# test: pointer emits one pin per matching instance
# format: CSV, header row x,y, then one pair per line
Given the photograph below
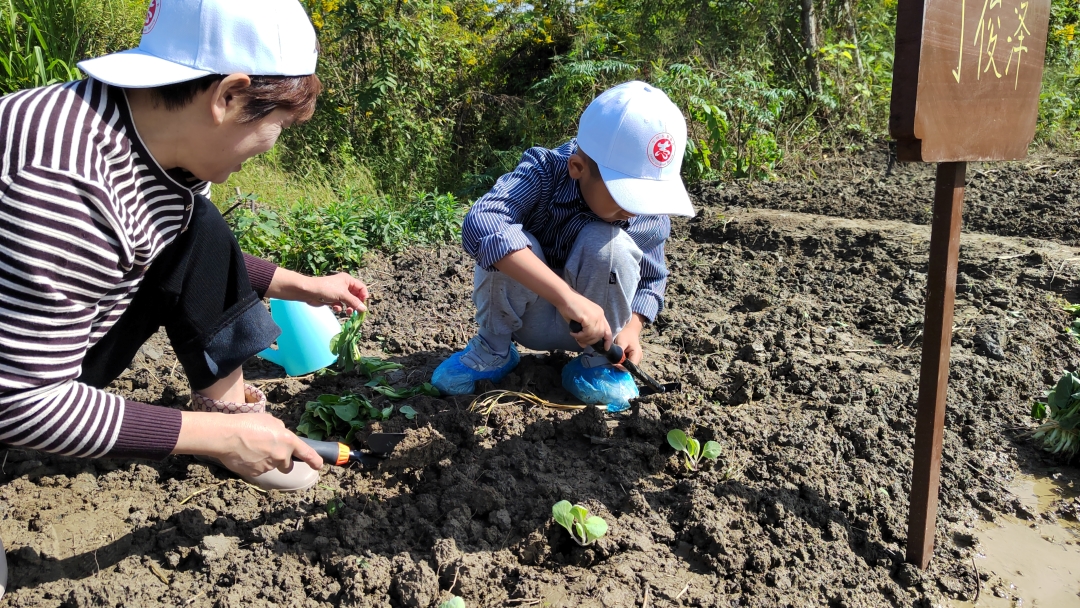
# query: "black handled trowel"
x,y
379,447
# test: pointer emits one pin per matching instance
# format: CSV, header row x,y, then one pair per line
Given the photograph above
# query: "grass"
x,y
276,186
315,225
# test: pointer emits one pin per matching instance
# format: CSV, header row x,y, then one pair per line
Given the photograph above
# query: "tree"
x,y
810,45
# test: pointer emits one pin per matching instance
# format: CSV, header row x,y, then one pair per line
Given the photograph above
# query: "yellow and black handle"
x,y
331,452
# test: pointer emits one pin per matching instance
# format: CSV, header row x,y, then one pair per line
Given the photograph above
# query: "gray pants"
x,y
604,265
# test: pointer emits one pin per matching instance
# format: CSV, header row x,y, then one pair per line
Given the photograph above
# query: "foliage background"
x,y
442,96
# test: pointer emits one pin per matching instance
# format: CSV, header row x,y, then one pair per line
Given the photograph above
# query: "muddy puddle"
x,y
1030,563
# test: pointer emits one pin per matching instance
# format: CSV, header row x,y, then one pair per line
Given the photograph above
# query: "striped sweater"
x,y
84,209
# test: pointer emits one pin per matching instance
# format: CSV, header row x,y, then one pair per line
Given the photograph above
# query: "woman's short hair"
x,y
294,94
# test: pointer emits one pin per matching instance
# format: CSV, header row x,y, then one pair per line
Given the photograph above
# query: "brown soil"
x,y
797,339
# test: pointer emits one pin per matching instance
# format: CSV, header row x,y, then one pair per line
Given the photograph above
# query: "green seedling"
x,y
454,602
346,345
335,504
692,449
1059,432
373,366
1073,329
381,386
408,412
340,415
585,529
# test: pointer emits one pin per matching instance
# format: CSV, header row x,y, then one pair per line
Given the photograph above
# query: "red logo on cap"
x,y
661,150
151,16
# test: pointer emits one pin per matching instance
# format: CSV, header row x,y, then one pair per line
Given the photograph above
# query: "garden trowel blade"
x,y
670,387
383,443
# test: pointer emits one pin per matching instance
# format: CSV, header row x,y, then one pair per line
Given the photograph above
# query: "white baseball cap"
x,y
187,39
637,137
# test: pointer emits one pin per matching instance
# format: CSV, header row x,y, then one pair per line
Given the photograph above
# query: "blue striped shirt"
x,y
540,197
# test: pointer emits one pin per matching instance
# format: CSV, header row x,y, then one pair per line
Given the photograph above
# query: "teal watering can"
x,y
304,343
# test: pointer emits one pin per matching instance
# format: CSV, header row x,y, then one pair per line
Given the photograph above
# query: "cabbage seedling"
x,y
346,345
583,528
1059,432
692,449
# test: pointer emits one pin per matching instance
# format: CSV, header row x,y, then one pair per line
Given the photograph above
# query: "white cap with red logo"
x,y
637,137
187,39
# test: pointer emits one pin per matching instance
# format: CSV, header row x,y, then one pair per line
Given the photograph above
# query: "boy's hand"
x,y
630,339
594,325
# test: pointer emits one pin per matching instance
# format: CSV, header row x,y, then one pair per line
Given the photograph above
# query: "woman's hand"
x,y
341,291
249,444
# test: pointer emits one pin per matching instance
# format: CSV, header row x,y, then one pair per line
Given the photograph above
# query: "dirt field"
x,y
794,322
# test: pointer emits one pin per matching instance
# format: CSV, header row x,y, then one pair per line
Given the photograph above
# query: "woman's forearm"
x,y
289,285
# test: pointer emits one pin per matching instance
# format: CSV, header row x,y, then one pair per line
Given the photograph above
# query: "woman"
x,y
106,235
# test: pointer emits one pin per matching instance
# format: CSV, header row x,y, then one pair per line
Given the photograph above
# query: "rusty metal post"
x,y
934,377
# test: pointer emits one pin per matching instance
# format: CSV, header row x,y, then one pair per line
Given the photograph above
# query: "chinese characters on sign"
x,y
986,39
967,76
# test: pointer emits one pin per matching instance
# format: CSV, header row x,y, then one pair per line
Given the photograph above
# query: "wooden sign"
x,y
966,80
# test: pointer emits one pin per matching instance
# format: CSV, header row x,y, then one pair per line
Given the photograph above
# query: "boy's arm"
x,y
493,227
651,236
649,297
524,267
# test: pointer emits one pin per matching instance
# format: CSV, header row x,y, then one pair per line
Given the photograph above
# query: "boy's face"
x,y
594,191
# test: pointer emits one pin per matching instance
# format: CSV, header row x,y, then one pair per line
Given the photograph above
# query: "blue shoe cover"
x,y
453,377
601,385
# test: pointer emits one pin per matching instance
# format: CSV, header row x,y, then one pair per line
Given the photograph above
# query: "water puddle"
x,y
1030,564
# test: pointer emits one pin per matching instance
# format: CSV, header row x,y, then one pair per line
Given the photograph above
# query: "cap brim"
x,y
647,196
136,69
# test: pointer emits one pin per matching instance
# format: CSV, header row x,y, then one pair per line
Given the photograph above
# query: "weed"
x,y
1059,432
585,529
334,236
454,602
692,450
38,43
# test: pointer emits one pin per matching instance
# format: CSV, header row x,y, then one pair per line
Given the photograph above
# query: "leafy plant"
x,y
340,415
583,528
454,602
346,345
372,366
692,450
38,43
1059,433
1073,329
381,386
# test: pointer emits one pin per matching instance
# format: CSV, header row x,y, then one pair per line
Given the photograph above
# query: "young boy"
x,y
577,234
